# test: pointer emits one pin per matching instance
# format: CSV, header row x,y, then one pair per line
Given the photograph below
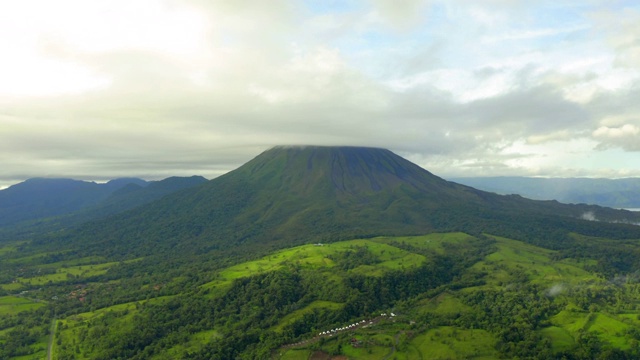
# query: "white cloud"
x,y
172,87
49,52
531,34
619,132
626,136
464,85
622,30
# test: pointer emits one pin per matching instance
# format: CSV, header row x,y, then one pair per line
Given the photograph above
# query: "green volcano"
x,y
301,194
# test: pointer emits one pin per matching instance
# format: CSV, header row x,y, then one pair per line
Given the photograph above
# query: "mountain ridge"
x,y
40,204
43,197
616,193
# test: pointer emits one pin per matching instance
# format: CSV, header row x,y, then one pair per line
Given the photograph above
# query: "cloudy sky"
x,y
153,88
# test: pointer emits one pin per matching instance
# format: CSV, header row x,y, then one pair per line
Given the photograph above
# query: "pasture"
x,y
10,305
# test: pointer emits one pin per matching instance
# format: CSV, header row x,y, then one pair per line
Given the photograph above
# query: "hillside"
x,y
616,193
260,262
40,197
133,195
43,207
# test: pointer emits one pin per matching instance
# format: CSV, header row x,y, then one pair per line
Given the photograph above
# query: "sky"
x,y
101,89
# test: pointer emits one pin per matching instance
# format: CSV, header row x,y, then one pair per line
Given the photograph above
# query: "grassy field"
x,y
294,354
630,318
13,304
571,321
445,303
451,343
317,256
532,261
64,271
560,338
369,350
12,287
195,342
610,329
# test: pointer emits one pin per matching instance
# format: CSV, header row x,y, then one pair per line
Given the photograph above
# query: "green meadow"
x,y
293,354
13,304
560,338
66,273
445,303
518,261
317,257
63,271
451,343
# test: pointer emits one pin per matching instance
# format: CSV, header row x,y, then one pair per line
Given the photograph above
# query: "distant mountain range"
x,y
616,193
77,200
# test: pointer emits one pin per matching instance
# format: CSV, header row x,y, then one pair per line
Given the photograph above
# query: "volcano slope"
x,y
217,271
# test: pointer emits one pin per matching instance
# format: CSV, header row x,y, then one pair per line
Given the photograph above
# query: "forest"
x,y
447,289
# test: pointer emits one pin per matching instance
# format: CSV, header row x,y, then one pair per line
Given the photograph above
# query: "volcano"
x,y
292,195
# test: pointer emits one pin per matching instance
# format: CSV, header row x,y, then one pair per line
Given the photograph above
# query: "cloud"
x,y
534,34
626,136
561,135
159,88
531,111
615,133
556,290
622,30
400,14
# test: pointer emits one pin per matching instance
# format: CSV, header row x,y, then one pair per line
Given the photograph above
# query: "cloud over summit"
x,y
156,88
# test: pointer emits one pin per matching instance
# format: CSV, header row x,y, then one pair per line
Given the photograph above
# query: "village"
x,y
362,324
355,325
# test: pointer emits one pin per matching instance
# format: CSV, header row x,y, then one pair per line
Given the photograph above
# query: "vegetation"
x,y
40,205
452,295
322,252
